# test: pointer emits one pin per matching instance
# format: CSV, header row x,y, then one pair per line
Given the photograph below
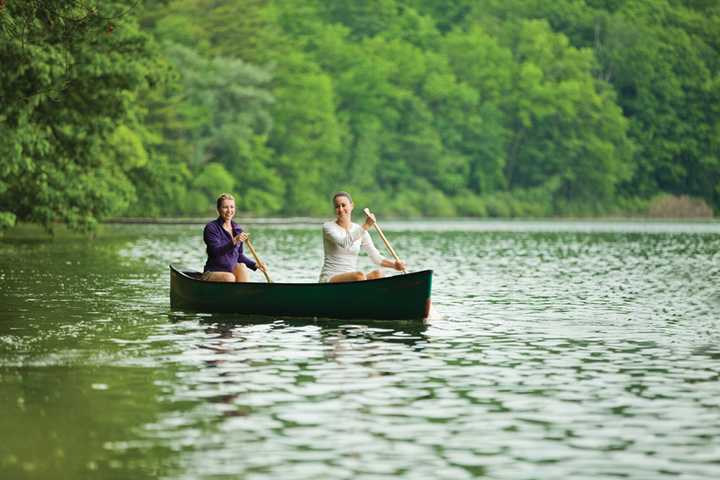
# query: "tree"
x,y
70,74
566,126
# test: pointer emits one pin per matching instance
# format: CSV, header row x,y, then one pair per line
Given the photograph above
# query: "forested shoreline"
x,y
483,108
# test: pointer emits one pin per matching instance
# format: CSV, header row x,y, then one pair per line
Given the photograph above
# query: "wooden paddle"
x,y
257,259
384,239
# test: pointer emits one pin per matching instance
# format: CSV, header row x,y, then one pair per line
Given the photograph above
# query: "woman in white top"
x,y
342,240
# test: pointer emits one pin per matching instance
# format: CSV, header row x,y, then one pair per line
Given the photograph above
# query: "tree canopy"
x,y
419,107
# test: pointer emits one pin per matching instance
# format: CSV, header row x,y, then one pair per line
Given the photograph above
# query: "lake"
x,y
573,349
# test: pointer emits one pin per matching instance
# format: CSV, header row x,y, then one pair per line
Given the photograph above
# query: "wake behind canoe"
x,y
400,297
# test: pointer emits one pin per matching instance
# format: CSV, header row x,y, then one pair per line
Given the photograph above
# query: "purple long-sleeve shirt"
x,y
222,253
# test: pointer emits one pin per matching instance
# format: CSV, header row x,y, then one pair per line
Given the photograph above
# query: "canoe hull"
x,y
401,297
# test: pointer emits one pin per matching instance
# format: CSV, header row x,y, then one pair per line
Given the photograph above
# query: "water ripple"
x,y
571,350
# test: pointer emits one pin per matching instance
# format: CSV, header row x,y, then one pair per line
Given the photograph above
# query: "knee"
x,y
242,274
375,274
358,276
227,277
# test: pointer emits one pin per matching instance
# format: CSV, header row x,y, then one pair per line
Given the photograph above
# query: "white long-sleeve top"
x,y
342,248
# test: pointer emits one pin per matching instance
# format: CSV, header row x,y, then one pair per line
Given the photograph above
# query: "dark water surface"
x,y
558,350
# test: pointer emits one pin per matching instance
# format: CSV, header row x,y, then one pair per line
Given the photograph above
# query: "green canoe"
x,y
400,297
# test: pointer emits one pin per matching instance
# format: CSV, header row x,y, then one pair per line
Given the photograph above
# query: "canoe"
x,y
400,297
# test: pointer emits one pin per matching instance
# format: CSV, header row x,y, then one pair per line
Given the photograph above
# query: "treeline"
x,y
418,107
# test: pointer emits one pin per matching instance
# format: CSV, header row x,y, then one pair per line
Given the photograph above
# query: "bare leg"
x,y
242,274
348,277
218,277
375,274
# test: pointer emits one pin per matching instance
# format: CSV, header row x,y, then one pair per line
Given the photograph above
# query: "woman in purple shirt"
x,y
224,239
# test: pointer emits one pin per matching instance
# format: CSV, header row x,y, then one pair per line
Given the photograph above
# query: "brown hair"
x,y
224,196
342,194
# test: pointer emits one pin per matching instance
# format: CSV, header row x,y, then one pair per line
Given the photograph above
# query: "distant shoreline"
x,y
312,220
112,227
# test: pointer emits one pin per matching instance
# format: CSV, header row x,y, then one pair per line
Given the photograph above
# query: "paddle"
x,y
257,259
382,235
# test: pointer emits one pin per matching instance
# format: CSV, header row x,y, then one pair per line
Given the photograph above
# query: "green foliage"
x,y
468,204
418,107
566,124
306,137
7,220
213,178
211,114
67,86
534,202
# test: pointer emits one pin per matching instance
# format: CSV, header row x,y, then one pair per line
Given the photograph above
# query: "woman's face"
x,y
227,209
343,207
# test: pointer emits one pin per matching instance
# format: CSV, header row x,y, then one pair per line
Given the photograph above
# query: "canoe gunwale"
x,y
181,272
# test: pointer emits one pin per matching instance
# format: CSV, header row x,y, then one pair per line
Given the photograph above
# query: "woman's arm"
x,y
398,265
247,261
378,259
368,245
238,239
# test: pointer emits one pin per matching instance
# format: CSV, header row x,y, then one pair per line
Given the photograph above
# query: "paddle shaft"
x,y
257,259
384,239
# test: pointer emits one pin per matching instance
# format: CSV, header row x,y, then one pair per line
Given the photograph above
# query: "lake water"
x,y
557,350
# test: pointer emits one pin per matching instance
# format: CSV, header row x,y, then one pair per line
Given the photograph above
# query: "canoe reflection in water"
x,y
234,352
401,297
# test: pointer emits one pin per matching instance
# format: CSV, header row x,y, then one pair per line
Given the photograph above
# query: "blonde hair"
x,y
224,196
